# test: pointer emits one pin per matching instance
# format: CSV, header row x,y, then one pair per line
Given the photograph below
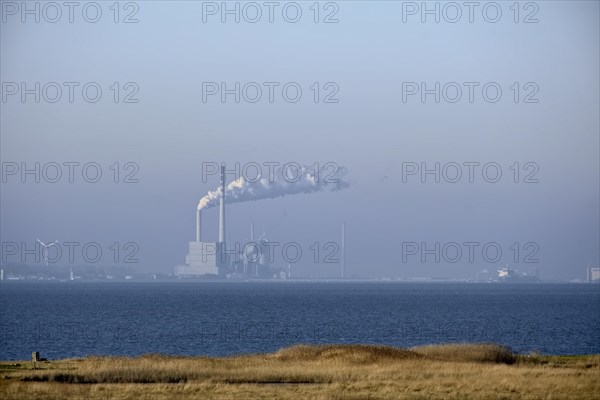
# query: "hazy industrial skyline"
x,y
380,129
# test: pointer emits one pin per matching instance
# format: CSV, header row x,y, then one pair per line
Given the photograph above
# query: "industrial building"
x,y
593,274
207,258
251,260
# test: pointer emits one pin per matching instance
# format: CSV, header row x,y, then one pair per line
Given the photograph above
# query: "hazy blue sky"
x,y
369,53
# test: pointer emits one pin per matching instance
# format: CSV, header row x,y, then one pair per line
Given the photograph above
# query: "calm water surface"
x,y
74,319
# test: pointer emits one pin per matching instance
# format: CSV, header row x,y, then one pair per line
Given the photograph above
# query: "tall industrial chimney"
x,y
198,225
222,207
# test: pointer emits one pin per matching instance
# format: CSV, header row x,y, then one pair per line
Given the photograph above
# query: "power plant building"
x,y
593,274
207,258
253,260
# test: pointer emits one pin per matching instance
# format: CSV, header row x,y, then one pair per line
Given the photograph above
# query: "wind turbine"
x,y
45,250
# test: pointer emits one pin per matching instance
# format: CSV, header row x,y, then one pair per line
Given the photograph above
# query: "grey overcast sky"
x,y
372,60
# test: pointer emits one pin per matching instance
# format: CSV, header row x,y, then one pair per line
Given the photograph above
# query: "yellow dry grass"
x,y
313,372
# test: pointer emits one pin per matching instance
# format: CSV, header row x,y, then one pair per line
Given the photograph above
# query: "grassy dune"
x,y
313,372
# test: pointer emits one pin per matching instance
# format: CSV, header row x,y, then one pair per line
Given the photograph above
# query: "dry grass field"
x,y
333,372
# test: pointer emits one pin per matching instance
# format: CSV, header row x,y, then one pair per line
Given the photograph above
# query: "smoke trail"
x,y
282,183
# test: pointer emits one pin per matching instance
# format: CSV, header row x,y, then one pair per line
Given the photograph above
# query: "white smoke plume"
x,y
282,183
